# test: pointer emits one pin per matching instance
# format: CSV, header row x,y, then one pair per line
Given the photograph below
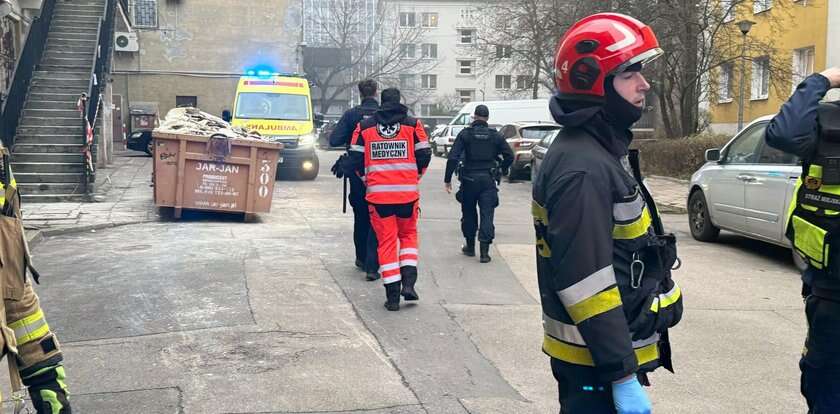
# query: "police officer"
x,y
811,130
480,148
391,151
363,238
35,358
603,260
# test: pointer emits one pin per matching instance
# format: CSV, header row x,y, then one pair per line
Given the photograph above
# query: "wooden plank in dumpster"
x,y
187,176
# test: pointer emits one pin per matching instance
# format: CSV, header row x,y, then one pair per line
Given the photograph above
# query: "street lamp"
x,y
744,26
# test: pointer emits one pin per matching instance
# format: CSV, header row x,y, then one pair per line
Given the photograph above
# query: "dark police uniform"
x,y
364,238
478,147
812,131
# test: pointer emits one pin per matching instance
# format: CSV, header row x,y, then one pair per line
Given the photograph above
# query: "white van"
x,y
507,112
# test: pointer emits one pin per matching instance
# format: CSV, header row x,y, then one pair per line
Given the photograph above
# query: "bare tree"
x,y
373,41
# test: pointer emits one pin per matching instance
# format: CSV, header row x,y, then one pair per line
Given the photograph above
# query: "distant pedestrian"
x,y
363,238
391,151
485,153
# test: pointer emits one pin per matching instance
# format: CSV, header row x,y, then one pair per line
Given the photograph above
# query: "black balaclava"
x,y
619,113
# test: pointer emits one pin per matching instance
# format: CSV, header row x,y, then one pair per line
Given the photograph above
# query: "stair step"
x,y
28,121
47,157
68,104
81,36
51,113
73,17
48,167
68,60
63,74
57,41
54,139
65,54
54,48
27,178
53,97
54,198
54,189
69,28
50,134
47,148
62,82
46,88
89,11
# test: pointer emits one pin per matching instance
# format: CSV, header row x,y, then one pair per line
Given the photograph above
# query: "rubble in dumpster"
x,y
192,121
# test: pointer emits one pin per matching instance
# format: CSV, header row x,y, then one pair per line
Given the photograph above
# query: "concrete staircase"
x,y
47,158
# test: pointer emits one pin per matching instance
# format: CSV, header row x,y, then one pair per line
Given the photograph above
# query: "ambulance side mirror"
x,y
713,154
318,120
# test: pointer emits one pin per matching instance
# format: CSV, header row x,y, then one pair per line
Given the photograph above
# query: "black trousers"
x,y
580,391
478,190
364,238
820,364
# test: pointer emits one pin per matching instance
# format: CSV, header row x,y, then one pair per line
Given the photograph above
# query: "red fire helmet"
x,y
597,46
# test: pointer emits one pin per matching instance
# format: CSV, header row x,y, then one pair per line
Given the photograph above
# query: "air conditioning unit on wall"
x,y
126,42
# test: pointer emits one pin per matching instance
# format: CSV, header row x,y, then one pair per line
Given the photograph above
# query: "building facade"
x,y
15,19
803,48
192,53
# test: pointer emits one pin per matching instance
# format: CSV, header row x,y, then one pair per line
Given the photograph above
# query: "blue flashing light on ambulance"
x,y
279,107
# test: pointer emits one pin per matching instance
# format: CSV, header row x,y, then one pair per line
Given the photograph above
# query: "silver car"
x,y
746,188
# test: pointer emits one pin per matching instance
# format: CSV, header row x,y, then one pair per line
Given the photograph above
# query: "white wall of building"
x,y
452,16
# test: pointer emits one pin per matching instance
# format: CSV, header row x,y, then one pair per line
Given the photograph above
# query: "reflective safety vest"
x,y
814,212
391,172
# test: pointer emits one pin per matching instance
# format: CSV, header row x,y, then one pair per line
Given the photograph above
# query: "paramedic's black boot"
x,y
392,293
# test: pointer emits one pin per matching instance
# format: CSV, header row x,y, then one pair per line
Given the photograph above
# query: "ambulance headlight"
x,y
306,140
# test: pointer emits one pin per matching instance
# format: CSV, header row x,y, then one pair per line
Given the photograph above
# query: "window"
x,y
427,109
429,81
761,78
467,14
726,9
466,36
762,5
429,51
145,13
430,20
743,150
503,51
407,50
523,82
508,131
466,67
725,83
407,19
803,65
408,81
770,155
502,81
466,95
186,101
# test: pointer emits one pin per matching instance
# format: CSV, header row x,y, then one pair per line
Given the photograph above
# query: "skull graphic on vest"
x,y
388,131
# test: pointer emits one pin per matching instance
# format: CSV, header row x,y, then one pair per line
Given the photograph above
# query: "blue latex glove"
x,y
630,398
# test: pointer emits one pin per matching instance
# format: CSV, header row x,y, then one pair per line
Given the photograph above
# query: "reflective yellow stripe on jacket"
x,y
564,342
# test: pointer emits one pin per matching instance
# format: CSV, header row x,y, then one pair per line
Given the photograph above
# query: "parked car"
x,y
746,188
140,141
442,142
522,137
539,151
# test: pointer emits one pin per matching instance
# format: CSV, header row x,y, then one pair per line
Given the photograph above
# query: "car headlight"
x,y
306,140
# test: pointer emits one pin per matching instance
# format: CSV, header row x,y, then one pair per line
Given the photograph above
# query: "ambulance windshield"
x,y
278,106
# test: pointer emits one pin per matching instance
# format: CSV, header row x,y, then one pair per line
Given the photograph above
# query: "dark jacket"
x,y
343,131
592,224
460,153
795,130
388,114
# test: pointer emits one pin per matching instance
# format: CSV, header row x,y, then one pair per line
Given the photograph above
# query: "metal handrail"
x,y
89,104
11,108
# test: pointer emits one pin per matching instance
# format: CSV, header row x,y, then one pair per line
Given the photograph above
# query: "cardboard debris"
x,y
192,121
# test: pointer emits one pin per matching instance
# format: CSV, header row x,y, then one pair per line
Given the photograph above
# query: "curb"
x,y
40,235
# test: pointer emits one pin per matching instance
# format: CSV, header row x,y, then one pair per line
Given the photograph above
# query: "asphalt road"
x,y
212,315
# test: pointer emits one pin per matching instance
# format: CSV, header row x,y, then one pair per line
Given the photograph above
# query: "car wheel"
x,y
699,220
798,260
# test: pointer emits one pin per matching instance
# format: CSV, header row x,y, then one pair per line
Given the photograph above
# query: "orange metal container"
x,y
189,173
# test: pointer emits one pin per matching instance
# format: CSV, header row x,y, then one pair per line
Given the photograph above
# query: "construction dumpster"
x,y
214,173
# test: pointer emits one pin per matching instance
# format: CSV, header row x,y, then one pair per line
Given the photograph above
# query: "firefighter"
x,y
33,352
391,152
811,130
480,147
603,260
363,238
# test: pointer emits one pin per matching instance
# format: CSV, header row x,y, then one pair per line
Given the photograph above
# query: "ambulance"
x,y
279,107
